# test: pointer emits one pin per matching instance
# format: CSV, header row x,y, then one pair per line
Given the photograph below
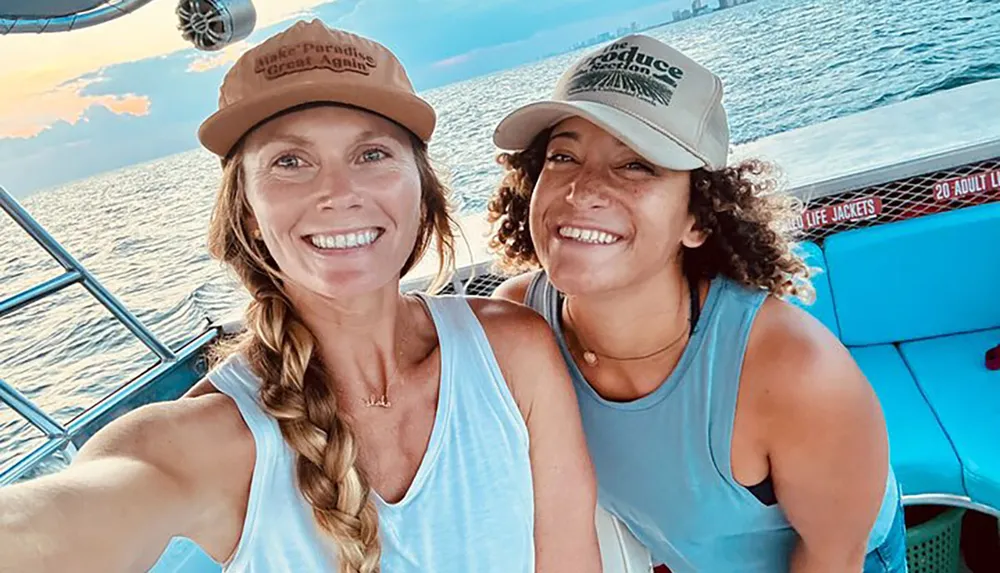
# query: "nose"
x,y
588,190
337,190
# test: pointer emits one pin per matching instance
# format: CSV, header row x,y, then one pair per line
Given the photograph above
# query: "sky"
x,y
80,103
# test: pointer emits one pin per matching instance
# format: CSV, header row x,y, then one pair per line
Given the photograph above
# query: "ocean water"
x,y
141,230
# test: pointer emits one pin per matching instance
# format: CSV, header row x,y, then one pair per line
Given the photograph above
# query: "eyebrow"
x,y
567,134
299,141
286,137
572,135
371,134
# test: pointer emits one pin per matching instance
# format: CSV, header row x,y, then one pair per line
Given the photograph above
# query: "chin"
x,y
582,277
352,283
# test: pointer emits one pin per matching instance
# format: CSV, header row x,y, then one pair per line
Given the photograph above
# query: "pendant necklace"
x,y
373,401
592,357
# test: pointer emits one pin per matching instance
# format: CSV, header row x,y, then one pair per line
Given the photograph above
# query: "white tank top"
x,y
470,507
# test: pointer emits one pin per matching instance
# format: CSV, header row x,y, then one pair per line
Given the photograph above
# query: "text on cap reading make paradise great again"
x,y
310,55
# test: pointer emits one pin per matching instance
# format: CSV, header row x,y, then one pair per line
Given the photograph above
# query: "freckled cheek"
x,y
277,212
398,192
548,190
551,183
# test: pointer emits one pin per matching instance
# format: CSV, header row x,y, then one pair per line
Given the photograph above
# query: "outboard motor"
x,y
214,24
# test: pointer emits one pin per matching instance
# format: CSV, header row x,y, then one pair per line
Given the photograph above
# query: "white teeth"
x,y
588,235
345,241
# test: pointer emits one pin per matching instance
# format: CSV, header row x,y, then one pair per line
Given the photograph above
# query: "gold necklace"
x,y
382,401
591,356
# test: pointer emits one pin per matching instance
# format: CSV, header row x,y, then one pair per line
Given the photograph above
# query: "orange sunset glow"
x,y
44,76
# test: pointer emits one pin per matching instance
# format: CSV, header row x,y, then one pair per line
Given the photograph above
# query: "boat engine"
x,y
214,24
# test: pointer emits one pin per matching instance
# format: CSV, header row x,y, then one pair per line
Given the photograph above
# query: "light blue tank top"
x,y
470,508
663,461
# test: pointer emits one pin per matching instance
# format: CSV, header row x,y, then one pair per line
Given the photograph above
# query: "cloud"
x,y
66,103
453,61
40,71
102,139
224,57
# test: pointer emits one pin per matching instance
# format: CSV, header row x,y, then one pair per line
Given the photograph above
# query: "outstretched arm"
x,y
564,482
143,479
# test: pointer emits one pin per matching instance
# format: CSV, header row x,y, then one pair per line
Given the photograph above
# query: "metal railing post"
x,y
70,264
30,412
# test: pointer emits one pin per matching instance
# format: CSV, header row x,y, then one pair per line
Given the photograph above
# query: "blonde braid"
x,y
296,394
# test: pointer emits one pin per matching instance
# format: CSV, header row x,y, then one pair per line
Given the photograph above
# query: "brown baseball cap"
x,y
311,63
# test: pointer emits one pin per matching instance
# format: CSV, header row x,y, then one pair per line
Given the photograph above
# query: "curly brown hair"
x,y
282,351
746,219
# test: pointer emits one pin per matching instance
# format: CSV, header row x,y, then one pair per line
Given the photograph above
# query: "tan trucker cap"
x,y
661,103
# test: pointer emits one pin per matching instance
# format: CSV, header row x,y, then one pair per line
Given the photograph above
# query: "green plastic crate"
x,y
933,546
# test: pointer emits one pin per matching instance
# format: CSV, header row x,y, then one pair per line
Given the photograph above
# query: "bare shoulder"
x,y
505,317
514,329
796,369
171,437
515,288
524,346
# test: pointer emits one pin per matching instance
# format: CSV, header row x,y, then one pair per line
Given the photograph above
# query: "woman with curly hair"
x,y
730,431
352,428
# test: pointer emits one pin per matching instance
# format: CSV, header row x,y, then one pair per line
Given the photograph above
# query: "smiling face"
x,y
336,196
602,217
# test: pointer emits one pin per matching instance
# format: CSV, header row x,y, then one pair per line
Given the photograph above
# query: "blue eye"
x,y
288,161
373,154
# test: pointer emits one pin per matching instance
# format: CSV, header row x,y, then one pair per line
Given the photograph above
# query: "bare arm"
x,y
564,481
143,479
826,442
515,288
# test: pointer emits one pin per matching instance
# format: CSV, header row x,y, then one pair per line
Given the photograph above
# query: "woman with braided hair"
x,y
729,430
351,428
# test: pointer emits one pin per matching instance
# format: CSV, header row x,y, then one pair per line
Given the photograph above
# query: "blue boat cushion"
x,y
822,307
965,395
921,455
921,278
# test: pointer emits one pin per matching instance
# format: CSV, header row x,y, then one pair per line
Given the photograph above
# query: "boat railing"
x,y
59,436
99,13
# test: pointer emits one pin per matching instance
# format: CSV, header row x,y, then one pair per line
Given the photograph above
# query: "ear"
x,y
693,236
253,227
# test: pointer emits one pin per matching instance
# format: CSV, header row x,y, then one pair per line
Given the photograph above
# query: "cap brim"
x,y
223,129
519,129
